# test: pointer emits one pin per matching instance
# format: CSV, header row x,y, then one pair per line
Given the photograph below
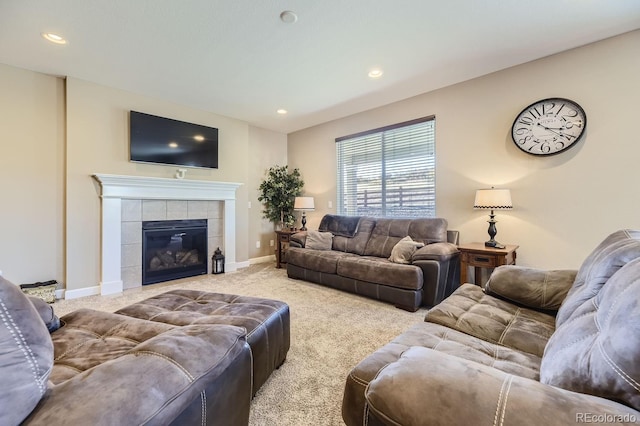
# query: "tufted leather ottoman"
x,y
266,321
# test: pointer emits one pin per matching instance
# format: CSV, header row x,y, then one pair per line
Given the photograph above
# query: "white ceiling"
x,y
238,59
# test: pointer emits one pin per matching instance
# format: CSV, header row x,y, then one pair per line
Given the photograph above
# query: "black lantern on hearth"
x,y
217,262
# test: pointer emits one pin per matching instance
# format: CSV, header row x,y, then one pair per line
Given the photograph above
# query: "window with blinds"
x,y
388,172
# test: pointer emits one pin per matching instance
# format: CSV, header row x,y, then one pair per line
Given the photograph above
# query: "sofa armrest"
x,y
534,288
298,239
435,251
422,386
440,270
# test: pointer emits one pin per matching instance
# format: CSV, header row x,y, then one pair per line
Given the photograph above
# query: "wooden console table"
x,y
282,239
479,256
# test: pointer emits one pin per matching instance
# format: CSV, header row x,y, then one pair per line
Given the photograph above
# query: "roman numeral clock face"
x,y
549,126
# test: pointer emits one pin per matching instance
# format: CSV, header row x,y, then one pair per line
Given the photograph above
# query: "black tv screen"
x,y
154,139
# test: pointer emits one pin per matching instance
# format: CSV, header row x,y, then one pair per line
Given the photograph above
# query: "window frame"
x,y
386,198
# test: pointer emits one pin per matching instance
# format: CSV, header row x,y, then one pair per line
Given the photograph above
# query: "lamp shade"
x,y
494,199
303,204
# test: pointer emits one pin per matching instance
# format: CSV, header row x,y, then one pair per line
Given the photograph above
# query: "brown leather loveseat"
x,y
357,259
180,358
534,348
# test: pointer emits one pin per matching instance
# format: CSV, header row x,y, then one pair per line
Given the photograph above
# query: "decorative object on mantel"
x,y
277,193
217,262
549,126
180,173
304,204
493,199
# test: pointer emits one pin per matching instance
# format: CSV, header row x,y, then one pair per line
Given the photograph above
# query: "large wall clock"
x,y
549,126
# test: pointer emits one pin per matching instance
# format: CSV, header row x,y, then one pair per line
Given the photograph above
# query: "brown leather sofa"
x,y
534,348
358,261
186,362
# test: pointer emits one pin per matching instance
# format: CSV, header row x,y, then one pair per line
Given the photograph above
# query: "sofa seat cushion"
x,y
441,339
90,338
381,271
471,311
266,321
115,369
325,261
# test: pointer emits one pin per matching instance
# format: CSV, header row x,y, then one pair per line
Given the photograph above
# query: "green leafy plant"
x,y
277,194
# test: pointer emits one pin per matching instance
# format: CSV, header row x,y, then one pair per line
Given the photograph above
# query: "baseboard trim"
x,y
111,287
230,267
263,259
82,292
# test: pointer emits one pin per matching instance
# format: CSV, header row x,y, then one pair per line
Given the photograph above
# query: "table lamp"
x,y
493,199
304,204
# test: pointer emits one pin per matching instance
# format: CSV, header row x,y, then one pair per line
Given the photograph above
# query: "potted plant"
x,y
277,193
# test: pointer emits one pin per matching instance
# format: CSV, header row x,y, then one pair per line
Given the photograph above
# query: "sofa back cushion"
x,y
596,350
342,226
26,355
606,259
388,232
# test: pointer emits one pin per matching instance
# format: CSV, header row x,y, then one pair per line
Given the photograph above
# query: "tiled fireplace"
x,y
127,201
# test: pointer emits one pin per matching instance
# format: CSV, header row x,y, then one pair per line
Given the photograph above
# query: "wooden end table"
x,y
282,239
479,256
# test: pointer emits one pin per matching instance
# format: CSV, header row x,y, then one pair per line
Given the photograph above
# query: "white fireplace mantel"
x,y
115,188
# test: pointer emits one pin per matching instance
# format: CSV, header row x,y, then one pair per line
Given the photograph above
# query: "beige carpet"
x,y
331,331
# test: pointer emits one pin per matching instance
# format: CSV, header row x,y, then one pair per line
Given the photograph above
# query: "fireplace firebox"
x,y
173,249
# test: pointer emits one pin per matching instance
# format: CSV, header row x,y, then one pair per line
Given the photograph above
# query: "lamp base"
x,y
304,222
492,233
494,244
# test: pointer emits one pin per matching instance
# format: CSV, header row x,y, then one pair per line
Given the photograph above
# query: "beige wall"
x,y
31,176
56,135
565,204
266,149
97,142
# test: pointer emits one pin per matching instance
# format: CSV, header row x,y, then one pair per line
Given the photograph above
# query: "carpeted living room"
x,y
307,388
381,209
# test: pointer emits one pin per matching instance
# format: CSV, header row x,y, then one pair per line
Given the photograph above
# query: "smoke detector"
x,y
288,17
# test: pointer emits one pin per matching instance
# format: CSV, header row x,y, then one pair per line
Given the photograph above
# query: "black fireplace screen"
x,y
173,249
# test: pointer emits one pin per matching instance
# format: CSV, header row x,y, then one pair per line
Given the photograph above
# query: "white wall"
x,y
565,204
31,176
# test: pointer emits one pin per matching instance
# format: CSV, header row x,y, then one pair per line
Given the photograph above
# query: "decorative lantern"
x,y
217,262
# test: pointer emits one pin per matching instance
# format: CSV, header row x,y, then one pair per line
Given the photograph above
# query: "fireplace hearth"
x,y
173,249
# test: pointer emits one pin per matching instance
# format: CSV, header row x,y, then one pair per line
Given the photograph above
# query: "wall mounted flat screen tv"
x,y
154,139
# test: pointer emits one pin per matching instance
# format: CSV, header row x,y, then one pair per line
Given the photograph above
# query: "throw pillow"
x,y
46,312
319,240
404,249
26,355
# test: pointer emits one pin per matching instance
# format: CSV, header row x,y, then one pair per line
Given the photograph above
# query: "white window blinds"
x,y
388,172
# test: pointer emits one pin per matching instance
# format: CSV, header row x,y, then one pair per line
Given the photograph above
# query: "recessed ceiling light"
x,y
376,73
282,111
54,38
173,145
288,17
